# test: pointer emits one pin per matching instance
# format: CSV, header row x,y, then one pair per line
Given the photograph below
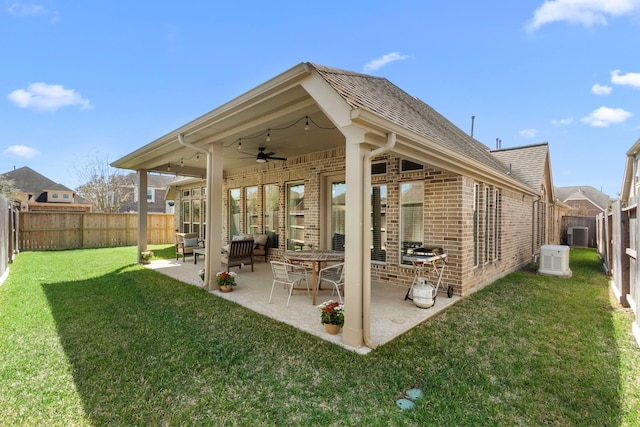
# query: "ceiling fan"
x,y
263,157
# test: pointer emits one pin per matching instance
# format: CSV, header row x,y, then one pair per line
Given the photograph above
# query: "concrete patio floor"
x,y
391,315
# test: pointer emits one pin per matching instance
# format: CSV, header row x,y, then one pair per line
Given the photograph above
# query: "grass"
x,y
89,338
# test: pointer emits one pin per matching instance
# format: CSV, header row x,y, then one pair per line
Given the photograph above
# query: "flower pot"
x,y
332,329
226,288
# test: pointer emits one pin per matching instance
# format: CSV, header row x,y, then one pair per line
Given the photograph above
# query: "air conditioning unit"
x,y
554,261
578,236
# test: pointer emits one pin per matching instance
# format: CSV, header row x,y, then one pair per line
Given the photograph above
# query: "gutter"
x,y
366,290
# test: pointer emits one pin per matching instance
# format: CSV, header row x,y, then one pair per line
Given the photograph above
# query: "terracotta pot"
x,y
332,329
226,288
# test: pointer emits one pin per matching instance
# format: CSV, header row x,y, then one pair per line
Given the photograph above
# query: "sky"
x,y
100,79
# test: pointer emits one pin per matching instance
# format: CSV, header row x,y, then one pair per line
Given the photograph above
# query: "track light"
x,y
240,145
169,167
268,135
181,163
306,126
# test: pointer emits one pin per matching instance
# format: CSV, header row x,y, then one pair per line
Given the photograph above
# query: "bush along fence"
x,y
66,230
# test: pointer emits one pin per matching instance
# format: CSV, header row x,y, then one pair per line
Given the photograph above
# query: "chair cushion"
x,y
260,239
190,243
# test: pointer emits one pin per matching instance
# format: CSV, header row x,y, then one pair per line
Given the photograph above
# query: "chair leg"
x,y
271,294
290,292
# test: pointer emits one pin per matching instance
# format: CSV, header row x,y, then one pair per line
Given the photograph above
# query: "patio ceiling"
x,y
282,113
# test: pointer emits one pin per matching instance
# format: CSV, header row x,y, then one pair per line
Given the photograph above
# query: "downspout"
x,y
366,290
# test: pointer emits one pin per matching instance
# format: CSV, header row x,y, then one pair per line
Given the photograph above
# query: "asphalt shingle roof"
x,y
380,96
526,163
583,192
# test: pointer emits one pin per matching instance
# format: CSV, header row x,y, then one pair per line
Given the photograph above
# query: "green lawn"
x,y
89,338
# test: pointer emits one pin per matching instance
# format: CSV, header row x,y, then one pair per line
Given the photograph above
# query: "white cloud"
x,y
380,62
46,97
585,12
21,151
528,133
604,116
562,122
22,9
601,90
629,79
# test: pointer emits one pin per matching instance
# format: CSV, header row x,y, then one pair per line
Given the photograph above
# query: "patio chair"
x,y
333,274
185,244
287,275
240,253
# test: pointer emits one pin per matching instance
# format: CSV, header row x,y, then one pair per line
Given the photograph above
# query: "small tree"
x,y
104,186
8,188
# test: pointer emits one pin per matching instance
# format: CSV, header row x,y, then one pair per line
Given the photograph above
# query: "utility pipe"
x,y
366,289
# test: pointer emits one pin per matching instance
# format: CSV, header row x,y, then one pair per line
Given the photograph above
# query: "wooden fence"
x,y
62,230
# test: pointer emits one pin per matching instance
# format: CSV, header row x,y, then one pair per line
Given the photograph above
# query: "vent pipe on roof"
x,y
473,118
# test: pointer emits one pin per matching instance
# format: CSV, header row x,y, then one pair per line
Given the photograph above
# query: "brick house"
x,y
317,153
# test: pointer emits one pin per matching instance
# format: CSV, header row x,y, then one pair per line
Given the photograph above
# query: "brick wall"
x,y
448,216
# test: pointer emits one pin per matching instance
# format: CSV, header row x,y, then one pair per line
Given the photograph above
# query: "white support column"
x,y
213,234
142,212
356,254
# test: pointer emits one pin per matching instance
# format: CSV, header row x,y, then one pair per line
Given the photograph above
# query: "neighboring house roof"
x,y
382,97
584,192
526,163
29,181
153,180
26,180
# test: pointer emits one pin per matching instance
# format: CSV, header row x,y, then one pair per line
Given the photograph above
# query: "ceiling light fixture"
x,y
268,135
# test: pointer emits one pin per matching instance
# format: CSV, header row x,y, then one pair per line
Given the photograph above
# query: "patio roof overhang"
x,y
280,107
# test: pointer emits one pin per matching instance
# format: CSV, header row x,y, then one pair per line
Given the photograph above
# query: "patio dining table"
x,y
316,257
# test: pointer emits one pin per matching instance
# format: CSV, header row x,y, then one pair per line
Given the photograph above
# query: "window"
x,y
379,223
234,212
186,216
496,224
487,223
411,217
271,203
408,165
295,216
65,196
338,210
251,210
476,223
151,195
378,168
195,220
54,195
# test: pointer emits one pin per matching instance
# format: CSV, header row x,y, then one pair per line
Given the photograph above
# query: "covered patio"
x,y
391,314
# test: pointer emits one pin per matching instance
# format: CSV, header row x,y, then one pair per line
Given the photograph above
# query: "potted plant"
x,y
145,257
332,316
226,280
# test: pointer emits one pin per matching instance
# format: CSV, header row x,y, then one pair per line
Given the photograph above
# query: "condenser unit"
x,y
554,261
578,236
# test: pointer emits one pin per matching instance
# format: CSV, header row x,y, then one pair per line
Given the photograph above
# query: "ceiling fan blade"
x,y
276,158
